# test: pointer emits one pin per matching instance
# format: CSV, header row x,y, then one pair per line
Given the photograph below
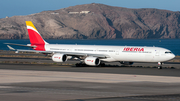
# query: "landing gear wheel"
x,y
159,67
77,65
80,65
102,65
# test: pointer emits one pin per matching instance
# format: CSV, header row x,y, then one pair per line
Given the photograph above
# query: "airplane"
x,y
94,55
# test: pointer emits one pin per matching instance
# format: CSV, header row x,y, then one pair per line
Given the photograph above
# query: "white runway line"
x,y
19,76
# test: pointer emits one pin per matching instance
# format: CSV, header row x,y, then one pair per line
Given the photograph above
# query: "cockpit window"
x,y
167,52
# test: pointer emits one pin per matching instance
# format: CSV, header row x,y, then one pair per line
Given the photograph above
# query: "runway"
x,y
56,83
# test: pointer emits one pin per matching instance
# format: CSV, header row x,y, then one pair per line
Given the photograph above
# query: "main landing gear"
x,y
160,65
81,64
102,65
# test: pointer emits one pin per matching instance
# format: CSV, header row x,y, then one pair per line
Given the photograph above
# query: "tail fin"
x,y
34,36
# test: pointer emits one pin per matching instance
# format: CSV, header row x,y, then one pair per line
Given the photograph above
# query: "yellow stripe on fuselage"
x,y
29,23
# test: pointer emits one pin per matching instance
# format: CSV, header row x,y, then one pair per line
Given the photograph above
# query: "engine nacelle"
x,y
126,63
92,61
59,57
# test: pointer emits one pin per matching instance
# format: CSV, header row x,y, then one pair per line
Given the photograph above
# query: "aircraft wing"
x,y
67,53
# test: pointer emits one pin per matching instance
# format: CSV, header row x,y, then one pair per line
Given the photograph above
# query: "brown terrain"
x,y
95,21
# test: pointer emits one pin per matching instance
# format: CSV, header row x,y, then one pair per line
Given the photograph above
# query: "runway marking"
x,y
19,76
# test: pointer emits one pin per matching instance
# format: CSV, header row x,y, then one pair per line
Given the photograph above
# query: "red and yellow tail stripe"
x,y
30,25
35,37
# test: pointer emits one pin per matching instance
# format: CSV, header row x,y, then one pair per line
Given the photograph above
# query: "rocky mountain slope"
x,y
95,21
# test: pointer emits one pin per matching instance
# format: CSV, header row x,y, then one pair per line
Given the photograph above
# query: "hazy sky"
x,y
26,7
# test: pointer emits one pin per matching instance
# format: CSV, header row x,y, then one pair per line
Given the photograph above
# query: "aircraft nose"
x,y
173,56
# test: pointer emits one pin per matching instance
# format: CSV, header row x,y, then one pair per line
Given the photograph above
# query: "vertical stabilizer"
x,y
34,36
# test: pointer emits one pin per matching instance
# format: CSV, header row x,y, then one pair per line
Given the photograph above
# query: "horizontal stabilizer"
x,y
20,45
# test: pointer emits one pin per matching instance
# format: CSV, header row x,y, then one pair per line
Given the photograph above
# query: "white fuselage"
x,y
117,53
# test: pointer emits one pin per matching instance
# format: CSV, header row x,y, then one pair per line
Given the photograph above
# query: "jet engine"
x,y
126,63
59,57
92,61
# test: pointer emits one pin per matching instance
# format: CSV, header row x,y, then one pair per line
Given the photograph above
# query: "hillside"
x,y
95,21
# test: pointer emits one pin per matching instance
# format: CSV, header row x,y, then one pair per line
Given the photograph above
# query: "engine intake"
x,y
92,61
59,57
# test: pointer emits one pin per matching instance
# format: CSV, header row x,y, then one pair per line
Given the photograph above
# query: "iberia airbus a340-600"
x,y
94,55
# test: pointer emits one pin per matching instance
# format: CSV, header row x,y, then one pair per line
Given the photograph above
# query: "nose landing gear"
x,y
160,65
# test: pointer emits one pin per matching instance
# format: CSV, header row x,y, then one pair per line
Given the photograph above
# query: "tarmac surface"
x,y
20,82
49,82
